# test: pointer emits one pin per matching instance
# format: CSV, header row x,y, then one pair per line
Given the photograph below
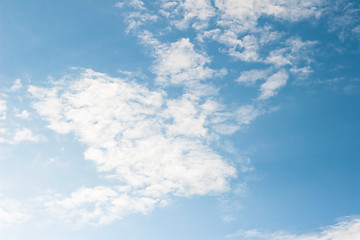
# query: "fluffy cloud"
x,y
153,146
178,63
348,229
19,135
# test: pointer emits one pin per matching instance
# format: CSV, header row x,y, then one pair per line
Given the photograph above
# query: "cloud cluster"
x,y
154,146
150,144
237,27
157,146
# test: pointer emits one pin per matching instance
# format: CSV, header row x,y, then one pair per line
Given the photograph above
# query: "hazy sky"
x,y
179,120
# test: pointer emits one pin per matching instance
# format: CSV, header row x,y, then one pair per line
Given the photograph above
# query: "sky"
x,y
181,120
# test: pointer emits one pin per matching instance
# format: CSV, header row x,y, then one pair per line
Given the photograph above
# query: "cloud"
x,y
19,135
228,123
17,85
152,146
178,63
23,115
136,15
97,206
347,229
185,12
3,109
11,212
242,16
252,76
272,84
296,53
344,20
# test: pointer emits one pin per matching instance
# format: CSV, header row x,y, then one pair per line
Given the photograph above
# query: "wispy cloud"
x,y
184,13
11,212
136,15
272,84
344,20
17,85
25,114
252,76
347,229
3,109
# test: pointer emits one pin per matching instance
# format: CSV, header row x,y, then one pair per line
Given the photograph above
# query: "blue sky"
x,y
184,120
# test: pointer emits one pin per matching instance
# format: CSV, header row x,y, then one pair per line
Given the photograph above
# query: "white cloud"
x,y
137,4
250,49
97,206
344,20
11,212
178,63
272,84
245,48
25,134
302,72
3,109
278,58
228,123
243,15
348,229
182,13
356,30
17,85
24,114
297,54
137,15
19,135
153,146
252,76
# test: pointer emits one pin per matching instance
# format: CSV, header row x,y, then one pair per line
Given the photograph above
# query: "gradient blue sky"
x,y
181,120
